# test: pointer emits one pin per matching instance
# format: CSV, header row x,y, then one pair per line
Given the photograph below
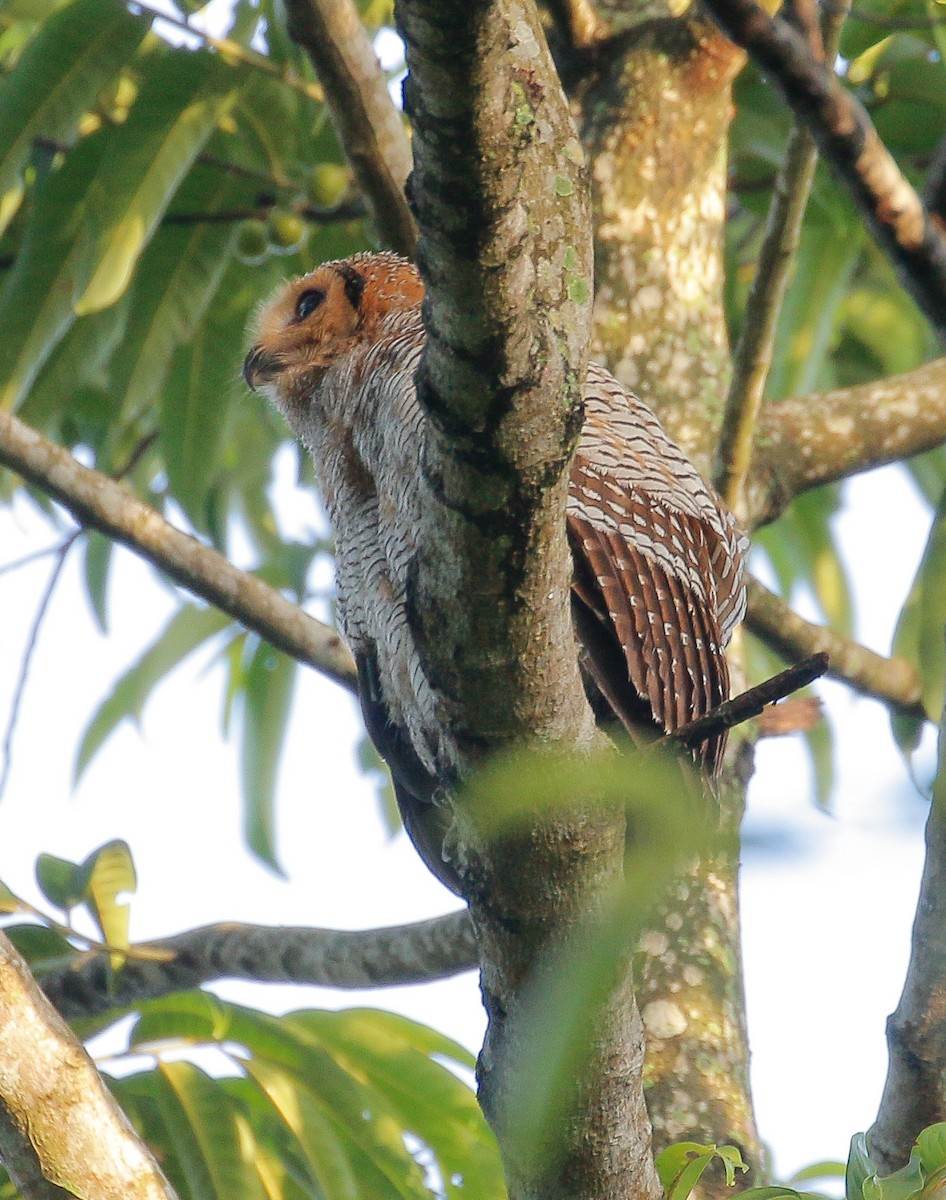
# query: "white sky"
x,y
827,899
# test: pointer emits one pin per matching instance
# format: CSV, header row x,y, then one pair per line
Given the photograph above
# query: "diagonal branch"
x,y
62,1133
368,126
100,502
851,145
369,958
891,680
823,437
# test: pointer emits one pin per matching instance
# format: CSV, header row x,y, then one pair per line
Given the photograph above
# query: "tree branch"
x,y
368,126
95,500
823,437
891,680
916,1033
61,1132
752,358
850,143
369,958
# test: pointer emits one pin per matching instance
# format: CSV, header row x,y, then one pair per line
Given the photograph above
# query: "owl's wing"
x,y
658,569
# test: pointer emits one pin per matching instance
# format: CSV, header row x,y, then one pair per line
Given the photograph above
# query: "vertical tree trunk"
x,y
656,113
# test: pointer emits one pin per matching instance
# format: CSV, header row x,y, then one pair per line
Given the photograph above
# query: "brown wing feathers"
x,y
642,574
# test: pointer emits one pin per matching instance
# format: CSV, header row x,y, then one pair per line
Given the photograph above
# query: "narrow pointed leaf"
x,y
178,108
269,685
59,880
322,1151
110,873
36,300
77,52
96,566
194,409
426,1098
176,279
186,630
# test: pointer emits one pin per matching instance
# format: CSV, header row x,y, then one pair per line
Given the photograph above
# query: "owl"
x,y
658,582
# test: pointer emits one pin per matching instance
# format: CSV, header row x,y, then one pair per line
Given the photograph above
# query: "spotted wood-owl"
x,y
658,563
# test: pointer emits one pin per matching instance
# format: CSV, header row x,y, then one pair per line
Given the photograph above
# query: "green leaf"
x,y
919,636
267,699
772,1193
681,1166
56,401
931,1147
322,1150
371,1140
860,1167
36,301
193,1124
830,246
175,280
394,1054
43,948
97,563
110,872
186,630
667,822
9,901
77,52
182,99
193,414
60,881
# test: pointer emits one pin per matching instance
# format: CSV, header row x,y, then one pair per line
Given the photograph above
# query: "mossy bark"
x,y
655,112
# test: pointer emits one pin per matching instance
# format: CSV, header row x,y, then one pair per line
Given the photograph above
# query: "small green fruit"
x,y
286,230
329,182
252,242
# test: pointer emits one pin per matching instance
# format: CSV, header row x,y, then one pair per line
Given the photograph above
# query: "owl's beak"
x,y
259,367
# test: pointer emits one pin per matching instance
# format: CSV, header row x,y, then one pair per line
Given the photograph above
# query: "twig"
x,y
234,51
750,703
891,680
851,145
369,127
349,211
752,360
138,451
34,556
94,499
403,954
895,23
31,643
208,160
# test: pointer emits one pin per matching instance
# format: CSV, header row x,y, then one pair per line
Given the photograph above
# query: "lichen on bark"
x,y
655,114
655,121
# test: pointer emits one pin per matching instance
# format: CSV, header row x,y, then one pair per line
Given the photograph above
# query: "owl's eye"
x,y
308,302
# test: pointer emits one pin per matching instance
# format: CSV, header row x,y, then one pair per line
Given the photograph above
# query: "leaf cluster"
x,y
845,321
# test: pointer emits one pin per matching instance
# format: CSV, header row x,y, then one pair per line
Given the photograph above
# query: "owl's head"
x,y
310,322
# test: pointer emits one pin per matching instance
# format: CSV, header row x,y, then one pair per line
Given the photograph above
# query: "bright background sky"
x,y
827,898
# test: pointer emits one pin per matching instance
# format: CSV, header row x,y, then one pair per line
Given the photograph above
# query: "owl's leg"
x,y
427,822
